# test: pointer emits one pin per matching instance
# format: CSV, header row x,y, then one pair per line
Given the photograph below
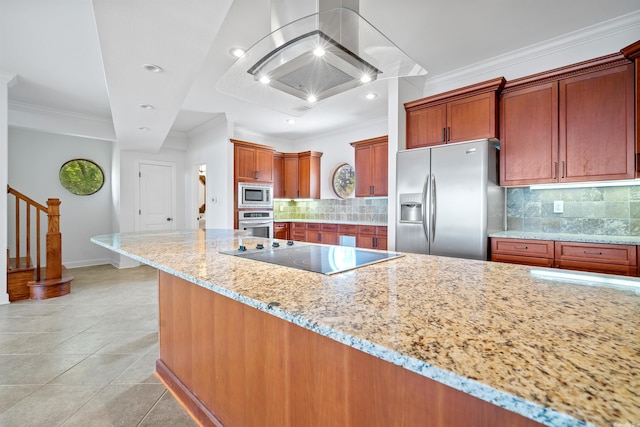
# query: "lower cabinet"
x,y
372,237
281,230
600,258
593,257
367,236
528,252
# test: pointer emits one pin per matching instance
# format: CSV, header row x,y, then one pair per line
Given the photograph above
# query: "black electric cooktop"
x,y
325,259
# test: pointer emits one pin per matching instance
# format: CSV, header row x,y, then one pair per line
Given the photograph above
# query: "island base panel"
x,y
233,365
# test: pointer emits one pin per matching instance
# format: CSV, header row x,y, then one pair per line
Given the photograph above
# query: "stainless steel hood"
x,y
317,49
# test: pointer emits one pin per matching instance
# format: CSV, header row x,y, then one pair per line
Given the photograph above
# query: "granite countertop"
x,y
562,353
566,237
329,221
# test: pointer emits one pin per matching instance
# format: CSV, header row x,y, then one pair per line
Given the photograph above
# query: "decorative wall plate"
x,y
343,180
82,177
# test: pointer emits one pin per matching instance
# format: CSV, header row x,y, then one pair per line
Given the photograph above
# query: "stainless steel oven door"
x,y
257,228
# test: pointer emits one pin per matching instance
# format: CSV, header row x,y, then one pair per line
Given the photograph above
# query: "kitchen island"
x,y
417,340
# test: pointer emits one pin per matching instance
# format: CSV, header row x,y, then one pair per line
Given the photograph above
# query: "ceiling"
x,y
86,57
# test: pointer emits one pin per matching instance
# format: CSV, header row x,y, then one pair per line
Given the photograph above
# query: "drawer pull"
x,y
592,253
521,247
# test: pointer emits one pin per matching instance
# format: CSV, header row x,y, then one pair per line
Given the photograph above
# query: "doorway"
x,y
201,196
156,196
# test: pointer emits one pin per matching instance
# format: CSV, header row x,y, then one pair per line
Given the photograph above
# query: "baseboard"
x,y
86,263
196,409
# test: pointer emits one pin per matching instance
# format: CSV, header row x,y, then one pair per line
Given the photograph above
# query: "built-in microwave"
x,y
251,195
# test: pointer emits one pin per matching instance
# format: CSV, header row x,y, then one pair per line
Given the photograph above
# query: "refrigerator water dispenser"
x,y
411,207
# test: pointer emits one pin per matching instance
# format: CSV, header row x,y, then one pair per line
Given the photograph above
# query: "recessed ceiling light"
x,y
319,51
366,78
143,128
146,106
311,98
265,80
371,95
153,68
237,52
291,121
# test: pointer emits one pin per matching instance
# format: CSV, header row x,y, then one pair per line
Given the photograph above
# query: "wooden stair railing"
x,y
56,283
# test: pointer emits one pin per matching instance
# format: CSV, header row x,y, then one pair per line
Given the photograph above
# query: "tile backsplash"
x,y
598,210
365,210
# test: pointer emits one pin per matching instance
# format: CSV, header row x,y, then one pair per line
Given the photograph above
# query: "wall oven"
x,y
258,223
251,195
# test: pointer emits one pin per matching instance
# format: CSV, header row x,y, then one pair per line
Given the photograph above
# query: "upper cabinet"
x,y
252,162
297,175
371,165
460,115
572,124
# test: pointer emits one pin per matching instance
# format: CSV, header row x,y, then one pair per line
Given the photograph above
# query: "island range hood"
x,y
317,49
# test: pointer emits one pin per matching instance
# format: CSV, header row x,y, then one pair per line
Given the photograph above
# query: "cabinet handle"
x,y
444,135
319,237
521,247
375,242
371,190
562,176
448,133
255,174
592,253
555,170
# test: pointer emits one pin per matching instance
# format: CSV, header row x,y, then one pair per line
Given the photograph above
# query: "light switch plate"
x,y
558,206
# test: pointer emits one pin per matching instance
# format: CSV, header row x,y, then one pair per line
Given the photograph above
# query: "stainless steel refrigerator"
x,y
448,199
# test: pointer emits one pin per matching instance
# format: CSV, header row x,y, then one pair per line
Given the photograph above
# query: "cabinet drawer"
x,y
367,229
347,228
313,226
381,230
329,227
522,247
598,253
280,225
298,226
524,260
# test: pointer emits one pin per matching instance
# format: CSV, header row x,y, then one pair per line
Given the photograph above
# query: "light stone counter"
x,y
559,352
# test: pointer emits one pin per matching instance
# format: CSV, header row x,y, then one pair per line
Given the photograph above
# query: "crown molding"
x,y
10,79
39,109
629,23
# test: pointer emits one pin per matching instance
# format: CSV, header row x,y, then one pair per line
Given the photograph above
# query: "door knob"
x,y
169,219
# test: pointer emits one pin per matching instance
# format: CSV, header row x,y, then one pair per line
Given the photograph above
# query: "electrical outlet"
x,y
558,206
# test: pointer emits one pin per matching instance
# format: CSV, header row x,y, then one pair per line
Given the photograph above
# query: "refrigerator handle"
x,y
434,208
425,211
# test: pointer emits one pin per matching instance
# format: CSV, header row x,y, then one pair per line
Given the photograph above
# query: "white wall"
x,y
210,145
6,80
35,159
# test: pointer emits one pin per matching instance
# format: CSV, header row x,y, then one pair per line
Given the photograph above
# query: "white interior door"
x,y
156,196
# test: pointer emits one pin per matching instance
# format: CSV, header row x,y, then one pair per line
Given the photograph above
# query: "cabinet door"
x,y
529,136
379,179
330,238
291,176
600,258
597,126
245,160
426,126
309,175
264,166
281,230
363,171
471,118
278,176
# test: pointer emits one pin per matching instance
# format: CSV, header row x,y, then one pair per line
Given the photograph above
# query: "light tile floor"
x,y
87,358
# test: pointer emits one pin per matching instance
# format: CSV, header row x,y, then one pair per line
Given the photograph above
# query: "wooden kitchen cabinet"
x,y
463,114
300,175
572,124
372,237
278,175
371,166
309,175
598,258
281,230
298,231
322,233
252,162
523,251
290,180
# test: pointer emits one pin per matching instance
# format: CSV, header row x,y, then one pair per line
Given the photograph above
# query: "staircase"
x,y
24,279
